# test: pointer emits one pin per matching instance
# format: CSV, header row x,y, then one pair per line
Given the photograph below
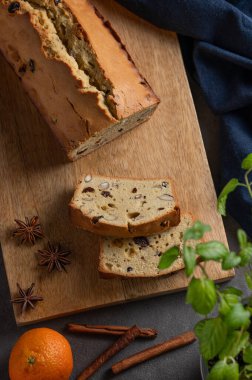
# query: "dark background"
x,y
168,314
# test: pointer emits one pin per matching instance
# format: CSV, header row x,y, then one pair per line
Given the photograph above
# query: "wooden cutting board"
x,y
38,180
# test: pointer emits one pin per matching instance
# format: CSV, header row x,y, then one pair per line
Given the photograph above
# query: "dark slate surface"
x,y
168,314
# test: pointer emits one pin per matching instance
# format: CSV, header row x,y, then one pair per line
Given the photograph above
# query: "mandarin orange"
x,y
41,354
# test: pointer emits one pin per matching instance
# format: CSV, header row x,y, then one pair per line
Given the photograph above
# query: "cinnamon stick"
x,y
109,330
152,352
128,337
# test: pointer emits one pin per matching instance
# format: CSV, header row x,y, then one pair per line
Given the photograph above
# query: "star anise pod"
x,y
28,231
26,298
54,257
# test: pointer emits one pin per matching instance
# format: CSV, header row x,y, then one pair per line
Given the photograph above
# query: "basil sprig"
x,y
226,336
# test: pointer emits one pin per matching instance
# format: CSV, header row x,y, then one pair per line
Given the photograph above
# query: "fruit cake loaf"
x,y
140,256
124,207
76,71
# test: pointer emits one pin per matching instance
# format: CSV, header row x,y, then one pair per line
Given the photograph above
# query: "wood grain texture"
x,y
38,180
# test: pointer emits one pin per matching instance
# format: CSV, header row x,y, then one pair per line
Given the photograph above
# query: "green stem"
x,y
247,182
242,371
203,270
241,332
31,360
244,185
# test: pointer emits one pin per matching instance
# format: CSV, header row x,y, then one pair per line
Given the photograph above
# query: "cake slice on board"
x,y
112,206
139,257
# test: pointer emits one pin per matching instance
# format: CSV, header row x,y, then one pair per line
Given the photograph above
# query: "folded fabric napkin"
x,y
217,45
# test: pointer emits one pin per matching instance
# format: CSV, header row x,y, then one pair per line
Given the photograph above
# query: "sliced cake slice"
x,y
140,256
124,207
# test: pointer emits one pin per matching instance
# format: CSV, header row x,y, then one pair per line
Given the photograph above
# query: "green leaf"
x,y
249,367
248,277
248,372
242,238
232,299
223,370
168,258
197,231
224,307
231,290
234,343
237,317
201,294
222,198
212,335
247,354
189,259
212,250
231,261
247,162
245,255
227,301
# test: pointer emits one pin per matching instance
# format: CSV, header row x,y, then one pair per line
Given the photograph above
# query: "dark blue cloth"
x,y
217,47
